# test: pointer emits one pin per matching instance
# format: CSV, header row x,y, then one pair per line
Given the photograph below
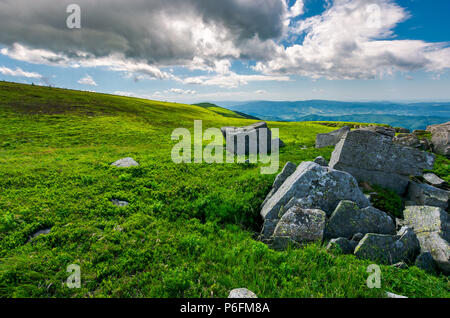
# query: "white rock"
x,y
242,293
125,163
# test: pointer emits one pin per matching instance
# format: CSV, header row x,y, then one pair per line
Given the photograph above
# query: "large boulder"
x,y
389,249
373,157
287,171
425,194
253,139
348,219
299,226
432,227
314,186
440,138
332,138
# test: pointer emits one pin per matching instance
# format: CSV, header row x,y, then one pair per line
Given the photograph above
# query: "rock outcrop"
x,y
374,158
299,226
348,219
432,227
312,186
425,194
389,249
332,138
440,138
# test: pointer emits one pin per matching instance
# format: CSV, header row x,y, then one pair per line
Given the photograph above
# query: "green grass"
x,y
189,230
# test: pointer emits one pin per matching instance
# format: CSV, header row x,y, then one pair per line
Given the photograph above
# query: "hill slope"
x,y
189,229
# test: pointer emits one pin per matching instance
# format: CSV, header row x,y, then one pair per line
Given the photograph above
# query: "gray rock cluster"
x,y
305,199
311,186
253,139
316,202
373,157
440,138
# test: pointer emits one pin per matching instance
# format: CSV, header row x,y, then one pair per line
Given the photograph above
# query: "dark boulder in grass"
x,y
332,138
348,219
389,249
426,262
373,157
342,244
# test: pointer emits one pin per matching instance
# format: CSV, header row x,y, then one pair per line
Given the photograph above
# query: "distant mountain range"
x,y
411,116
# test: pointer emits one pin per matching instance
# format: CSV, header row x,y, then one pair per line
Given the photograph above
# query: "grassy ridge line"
x,y
189,229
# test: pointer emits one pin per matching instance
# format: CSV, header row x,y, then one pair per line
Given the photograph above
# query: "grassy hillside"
x,y
225,112
189,229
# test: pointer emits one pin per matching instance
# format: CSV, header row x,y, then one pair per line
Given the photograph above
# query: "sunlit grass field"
x,y
190,229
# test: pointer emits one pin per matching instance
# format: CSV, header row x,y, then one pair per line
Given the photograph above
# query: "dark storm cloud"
x,y
158,31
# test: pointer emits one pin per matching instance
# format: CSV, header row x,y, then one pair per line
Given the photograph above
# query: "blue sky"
x,y
191,51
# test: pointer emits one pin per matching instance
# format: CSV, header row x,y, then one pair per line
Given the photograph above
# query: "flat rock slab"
x,y
332,138
242,293
389,249
125,163
425,194
348,219
434,180
374,158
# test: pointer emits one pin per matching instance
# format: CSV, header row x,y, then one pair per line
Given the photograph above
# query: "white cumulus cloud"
x,y
87,80
18,72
